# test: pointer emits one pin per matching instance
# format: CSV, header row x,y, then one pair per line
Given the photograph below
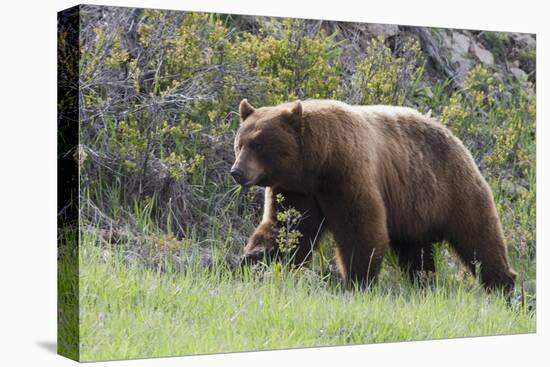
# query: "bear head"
x,y
268,145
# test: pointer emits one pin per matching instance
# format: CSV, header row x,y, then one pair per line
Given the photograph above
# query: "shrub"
x,y
292,64
497,43
384,77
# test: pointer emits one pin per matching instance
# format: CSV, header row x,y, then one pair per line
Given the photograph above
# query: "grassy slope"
x,y
129,312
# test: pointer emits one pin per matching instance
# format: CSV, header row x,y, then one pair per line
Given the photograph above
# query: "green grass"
x,y
128,311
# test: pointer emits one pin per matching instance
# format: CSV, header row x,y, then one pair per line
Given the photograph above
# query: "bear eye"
x,y
258,147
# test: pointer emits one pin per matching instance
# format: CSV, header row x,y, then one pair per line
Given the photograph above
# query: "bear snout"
x,y
237,174
252,258
257,254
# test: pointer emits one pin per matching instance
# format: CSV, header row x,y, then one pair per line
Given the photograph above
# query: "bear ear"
x,y
245,109
295,114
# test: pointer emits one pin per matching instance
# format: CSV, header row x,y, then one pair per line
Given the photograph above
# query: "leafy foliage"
x,y
387,77
288,219
292,65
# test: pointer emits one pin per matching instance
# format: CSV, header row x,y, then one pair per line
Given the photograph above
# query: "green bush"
x,y
290,64
497,43
386,77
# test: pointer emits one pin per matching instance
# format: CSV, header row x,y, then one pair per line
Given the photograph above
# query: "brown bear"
x,y
374,176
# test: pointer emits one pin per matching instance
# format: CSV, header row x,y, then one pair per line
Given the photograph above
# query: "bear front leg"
x,y
301,213
262,241
361,235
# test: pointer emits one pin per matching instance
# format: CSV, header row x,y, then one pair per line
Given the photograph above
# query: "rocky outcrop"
x,y
486,57
455,52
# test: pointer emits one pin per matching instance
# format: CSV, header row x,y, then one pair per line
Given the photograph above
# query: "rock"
x,y
512,188
519,74
460,43
445,40
457,45
486,57
428,92
524,40
384,30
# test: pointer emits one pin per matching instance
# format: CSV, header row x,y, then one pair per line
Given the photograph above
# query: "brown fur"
x,y
375,176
